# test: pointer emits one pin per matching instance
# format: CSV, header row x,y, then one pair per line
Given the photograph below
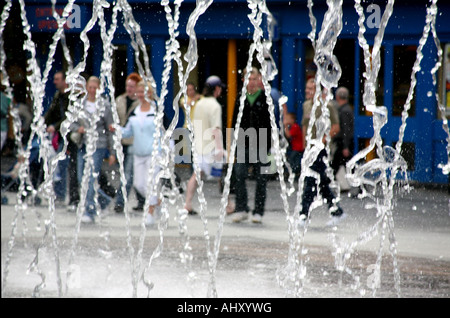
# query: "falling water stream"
x,y
377,178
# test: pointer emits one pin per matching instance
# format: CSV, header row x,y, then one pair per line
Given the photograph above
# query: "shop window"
x,y
363,143
404,58
119,67
444,81
408,153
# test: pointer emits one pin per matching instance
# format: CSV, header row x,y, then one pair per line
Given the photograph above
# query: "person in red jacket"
x,y
294,134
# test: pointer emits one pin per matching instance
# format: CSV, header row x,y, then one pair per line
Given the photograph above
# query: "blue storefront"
x,y
224,33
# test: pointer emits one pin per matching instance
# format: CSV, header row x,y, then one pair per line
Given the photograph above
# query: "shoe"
x,y
60,203
149,220
118,209
104,213
189,212
37,201
183,213
336,219
239,217
257,218
192,212
72,208
138,208
302,220
86,219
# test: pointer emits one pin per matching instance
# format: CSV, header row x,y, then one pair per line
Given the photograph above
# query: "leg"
x,y
309,193
338,159
74,194
261,189
97,158
141,201
190,191
60,186
128,171
241,171
241,210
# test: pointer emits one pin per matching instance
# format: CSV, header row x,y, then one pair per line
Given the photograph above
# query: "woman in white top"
x,y
141,125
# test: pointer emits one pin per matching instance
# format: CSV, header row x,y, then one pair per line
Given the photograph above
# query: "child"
x,y
294,134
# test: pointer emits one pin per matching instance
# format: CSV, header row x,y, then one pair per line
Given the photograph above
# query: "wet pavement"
x,y
251,255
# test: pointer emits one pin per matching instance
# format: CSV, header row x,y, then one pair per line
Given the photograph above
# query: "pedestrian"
x,y
91,116
26,118
55,115
4,103
254,142
126,104
294,135
319,164
192,98
343,140
141,125
208,145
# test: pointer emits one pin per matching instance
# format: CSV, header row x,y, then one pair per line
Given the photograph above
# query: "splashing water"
x,y
381,173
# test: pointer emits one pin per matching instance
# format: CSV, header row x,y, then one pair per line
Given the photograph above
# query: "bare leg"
x,y
230,206
190,191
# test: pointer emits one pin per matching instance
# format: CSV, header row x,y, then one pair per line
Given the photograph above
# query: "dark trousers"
x,y
74,193
339,159
310,186
295,160
241,174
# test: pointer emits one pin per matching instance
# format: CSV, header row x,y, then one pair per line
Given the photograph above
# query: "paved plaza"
x,y
251,255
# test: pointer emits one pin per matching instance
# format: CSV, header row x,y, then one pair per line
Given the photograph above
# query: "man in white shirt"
x,y
208,143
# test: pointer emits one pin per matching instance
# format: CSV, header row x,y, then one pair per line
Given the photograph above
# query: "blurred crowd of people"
x,y
90,144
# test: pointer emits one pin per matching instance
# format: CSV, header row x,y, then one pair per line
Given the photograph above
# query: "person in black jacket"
x,y
344,138
55,115
253,145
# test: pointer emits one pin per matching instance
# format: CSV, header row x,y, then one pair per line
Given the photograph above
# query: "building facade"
x,y
224,34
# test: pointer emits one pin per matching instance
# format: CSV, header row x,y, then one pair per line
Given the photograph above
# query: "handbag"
x,y
341,179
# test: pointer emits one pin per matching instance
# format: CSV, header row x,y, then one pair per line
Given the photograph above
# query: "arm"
x,y
334,130
217,131
127,131
334,118
287,132
304,135
108,123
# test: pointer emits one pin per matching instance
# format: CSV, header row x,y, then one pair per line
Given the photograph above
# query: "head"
x,y
254,81
342,96
131,83
213,86
190,90
59,80
310,88
92,84
290,119
140,91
